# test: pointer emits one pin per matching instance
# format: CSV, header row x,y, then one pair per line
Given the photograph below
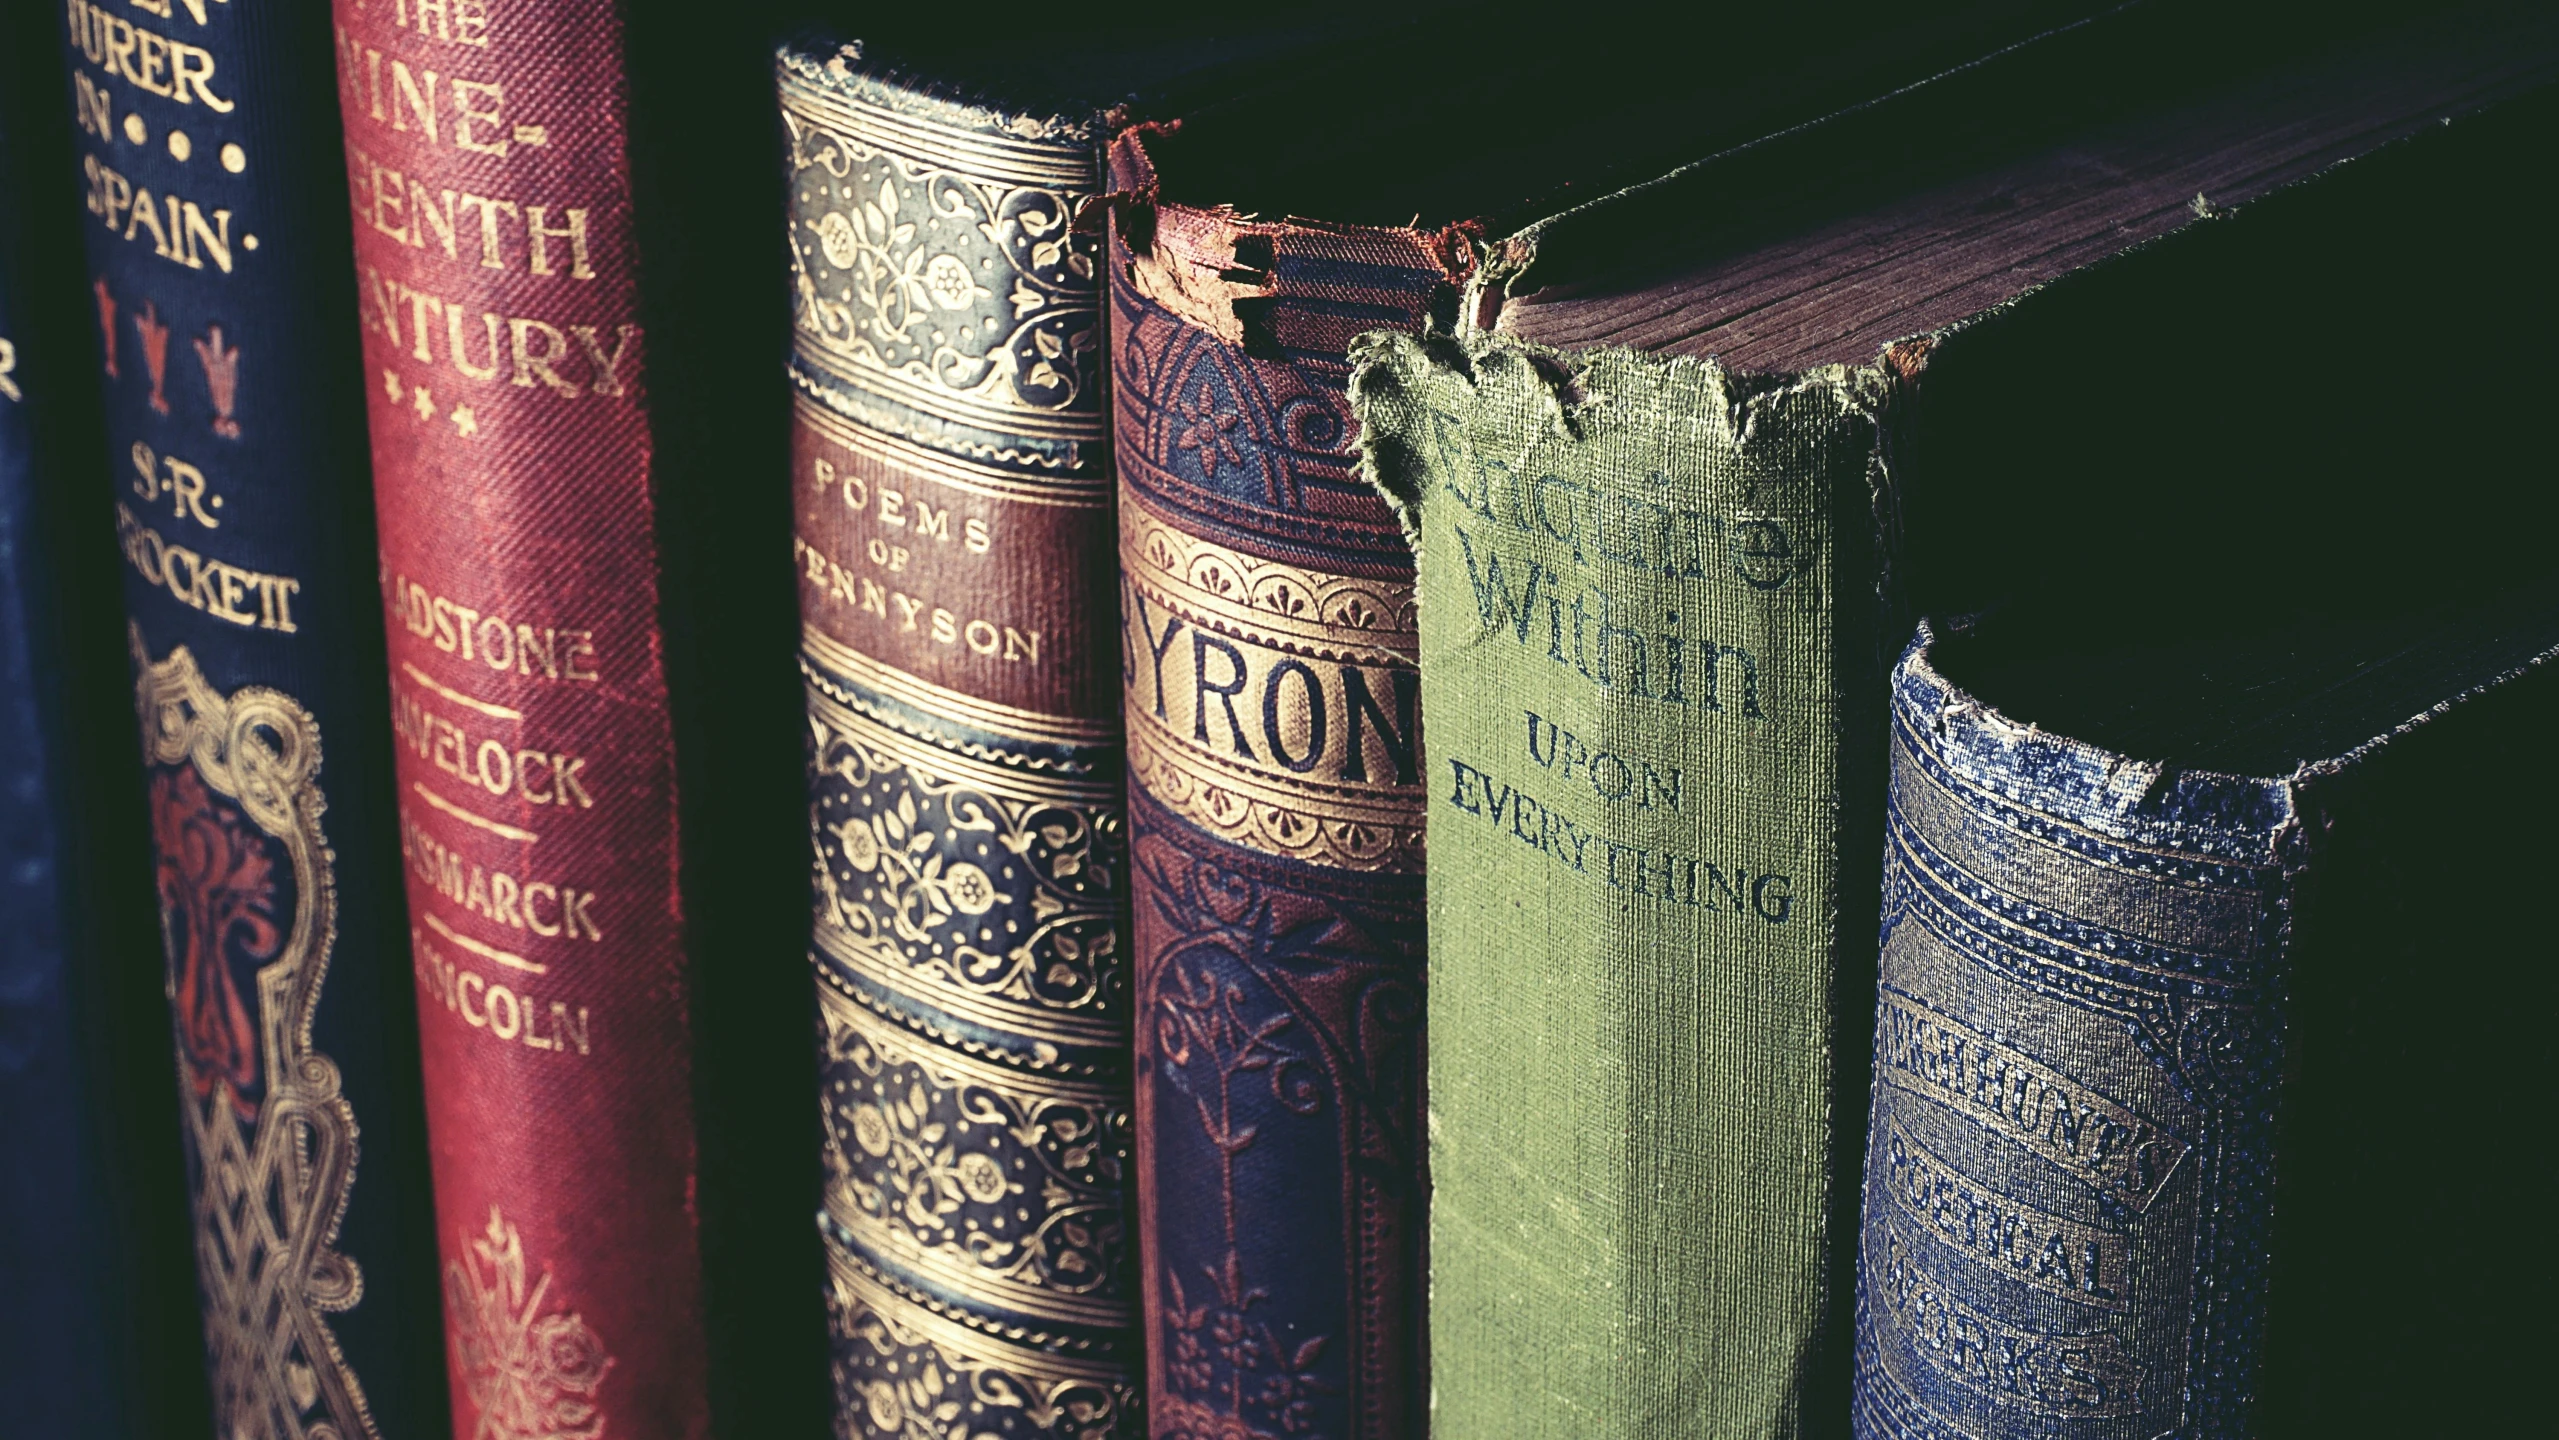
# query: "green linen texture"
x,y
1629,572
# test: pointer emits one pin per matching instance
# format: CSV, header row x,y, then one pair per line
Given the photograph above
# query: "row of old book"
x,y
1976,575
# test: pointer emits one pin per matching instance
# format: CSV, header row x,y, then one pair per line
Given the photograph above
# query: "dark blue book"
x,y
210,181
57,1346
97,1325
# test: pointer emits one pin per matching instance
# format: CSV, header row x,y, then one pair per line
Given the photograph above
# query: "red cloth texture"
x,y
487,164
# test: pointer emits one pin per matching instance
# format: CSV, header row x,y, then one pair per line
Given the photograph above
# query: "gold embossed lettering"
x,y
200,582
527,650
179,230
532,364
572,230
421,100
506,1010
542,907
454,22
477,104
144,58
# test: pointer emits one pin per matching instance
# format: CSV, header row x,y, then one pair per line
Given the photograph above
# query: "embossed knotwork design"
x,y
248,918
939,284
969,886
531,1371
976,1175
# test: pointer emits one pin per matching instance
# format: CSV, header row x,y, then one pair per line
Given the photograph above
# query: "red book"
x,y
488,158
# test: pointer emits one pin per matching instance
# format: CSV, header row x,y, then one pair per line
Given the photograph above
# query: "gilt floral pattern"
x,y
968,855
1000,895
957,285
977,1171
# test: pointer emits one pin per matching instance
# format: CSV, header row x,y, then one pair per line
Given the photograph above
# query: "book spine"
x,y
1644,584
506,372
2077,1044
952,519
57,1373
218,270
1275,799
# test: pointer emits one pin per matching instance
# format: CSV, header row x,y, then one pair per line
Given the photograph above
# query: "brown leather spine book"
x,y
487,154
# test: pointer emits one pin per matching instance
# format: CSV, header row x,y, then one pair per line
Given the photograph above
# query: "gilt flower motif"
x,y
835,237
569,1354
981,1178
861,847
970,891
871,1129
949,282
881,1399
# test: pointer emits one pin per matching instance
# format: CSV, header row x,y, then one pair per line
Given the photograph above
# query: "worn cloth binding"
x,y
1646,587
2078,1042
1275,809
509,391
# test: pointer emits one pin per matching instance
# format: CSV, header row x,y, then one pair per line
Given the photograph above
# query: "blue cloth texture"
x,y
2068,1179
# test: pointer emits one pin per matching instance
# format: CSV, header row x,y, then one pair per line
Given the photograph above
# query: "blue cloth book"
x,y
2137,1164
210,189
2211,1027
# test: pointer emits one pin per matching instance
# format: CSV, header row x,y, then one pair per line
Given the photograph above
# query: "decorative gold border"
x,y
996,1371
1002,158
882,963
266,1285
889,384
1027,1095
856,1283
830,654
1286,608
1067,491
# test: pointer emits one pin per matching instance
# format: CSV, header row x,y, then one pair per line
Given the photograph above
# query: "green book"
x,y
1678,477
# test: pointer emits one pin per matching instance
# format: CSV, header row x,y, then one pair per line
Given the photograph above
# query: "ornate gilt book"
x,y
953,542
948,494
1274,773
1676,471
221,294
